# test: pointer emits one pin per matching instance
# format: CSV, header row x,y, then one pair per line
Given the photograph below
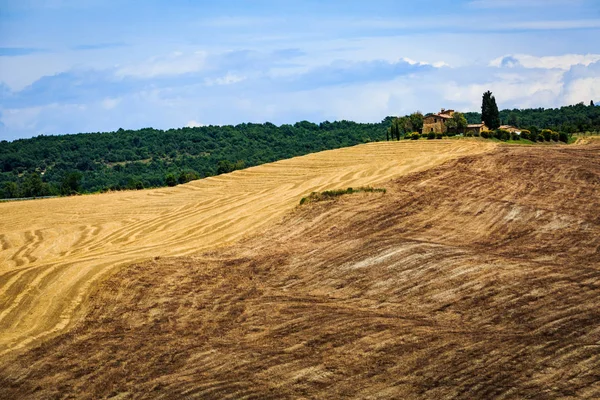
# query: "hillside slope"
x,y
128,159
52,251
479,278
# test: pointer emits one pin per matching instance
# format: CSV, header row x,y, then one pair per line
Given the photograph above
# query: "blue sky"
x,y
69,66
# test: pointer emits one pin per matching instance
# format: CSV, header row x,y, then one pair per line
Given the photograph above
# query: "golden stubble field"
x,y
54,250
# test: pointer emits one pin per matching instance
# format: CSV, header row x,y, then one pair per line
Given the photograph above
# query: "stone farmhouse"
x,y
436,123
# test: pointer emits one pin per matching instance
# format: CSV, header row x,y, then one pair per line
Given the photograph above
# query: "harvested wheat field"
x,y
476,278
52,251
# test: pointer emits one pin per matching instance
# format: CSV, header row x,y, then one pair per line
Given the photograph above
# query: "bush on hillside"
x,y
415,136
331,194
501,134
547,134
438,135
563,137
431,135
170,180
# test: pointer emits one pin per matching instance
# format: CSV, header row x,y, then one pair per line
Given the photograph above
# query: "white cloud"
x,y
379,90
110,103
176,63
437,64
563,62
510,90
228,79
193,124
582,90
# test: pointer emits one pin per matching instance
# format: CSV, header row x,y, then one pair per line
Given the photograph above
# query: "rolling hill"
x,y
53,250
476,275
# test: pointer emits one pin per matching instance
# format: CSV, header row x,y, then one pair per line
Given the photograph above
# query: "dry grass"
x,y
53,251
476,279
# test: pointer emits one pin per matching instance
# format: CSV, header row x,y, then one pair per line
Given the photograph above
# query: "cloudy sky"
x,y
69,66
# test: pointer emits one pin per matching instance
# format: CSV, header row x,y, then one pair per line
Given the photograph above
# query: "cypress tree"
x,y
494,114
485,107
489,111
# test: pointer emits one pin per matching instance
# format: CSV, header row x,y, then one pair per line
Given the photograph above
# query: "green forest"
x,y
145,158
568,119
137,159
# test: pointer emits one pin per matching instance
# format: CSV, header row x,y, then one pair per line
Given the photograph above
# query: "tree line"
x,y
137,159
567,119
144,158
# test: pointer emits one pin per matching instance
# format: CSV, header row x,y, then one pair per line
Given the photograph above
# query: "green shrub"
x,y
485,134
431,135
501,134
415,136
476,134
547,134
438,135
514,136
170,180
331,194
555,136
563,137
469,134
525,134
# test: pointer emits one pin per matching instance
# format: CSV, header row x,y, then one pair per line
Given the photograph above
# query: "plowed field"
x,y
476,279
52,251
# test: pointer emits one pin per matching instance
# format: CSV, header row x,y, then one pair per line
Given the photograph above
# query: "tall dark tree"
x,y
495,115
489,111
485,107
591,103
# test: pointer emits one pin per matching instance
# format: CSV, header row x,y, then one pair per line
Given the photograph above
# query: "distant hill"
x,y
135,159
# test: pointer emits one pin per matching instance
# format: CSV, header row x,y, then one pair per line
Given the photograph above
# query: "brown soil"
x,y
479,278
